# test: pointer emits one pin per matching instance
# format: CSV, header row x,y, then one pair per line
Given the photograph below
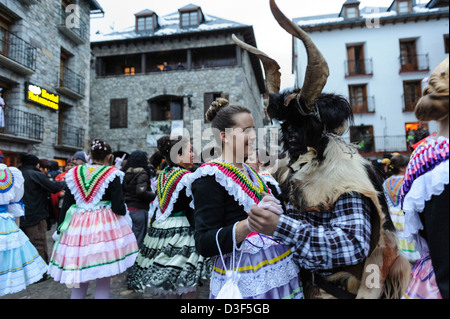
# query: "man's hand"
x,y
263,221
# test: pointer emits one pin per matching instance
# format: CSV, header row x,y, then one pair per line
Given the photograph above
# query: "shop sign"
x,y
40,96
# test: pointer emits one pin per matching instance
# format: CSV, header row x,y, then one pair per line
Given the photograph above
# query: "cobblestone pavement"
x,y
50,289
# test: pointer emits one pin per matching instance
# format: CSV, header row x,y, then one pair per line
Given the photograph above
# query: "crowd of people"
x,y
232,221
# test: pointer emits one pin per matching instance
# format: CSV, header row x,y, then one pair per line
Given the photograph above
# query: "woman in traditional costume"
x,y
96,241
20,263
224,191
425,194
392,187
168,263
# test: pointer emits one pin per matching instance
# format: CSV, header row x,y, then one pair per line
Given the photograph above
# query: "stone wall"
x,y
238,82
37,24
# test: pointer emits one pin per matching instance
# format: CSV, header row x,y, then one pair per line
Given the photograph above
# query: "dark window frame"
x,y
118,116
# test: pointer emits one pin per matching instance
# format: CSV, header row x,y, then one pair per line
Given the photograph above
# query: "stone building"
x,y
44,77
162,74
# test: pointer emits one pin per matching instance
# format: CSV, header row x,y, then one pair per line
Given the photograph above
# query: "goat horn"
x,y
271,67
317,70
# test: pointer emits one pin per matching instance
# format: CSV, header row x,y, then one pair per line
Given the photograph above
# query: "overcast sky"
x,y
270,38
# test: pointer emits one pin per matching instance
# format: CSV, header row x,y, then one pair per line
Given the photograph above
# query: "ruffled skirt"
x,y
423,282
97,244
168,262
20,263
266,269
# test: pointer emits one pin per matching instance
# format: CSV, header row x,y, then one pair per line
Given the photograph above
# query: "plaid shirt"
x,y
327,241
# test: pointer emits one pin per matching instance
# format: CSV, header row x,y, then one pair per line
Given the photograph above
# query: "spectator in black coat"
x,y
138,194
35,198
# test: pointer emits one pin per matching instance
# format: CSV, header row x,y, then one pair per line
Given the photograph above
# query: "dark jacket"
x,y
136,187
36,188
113,193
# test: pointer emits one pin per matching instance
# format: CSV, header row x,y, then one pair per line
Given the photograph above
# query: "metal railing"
x,y
71,136
412,63
71,80
367,107
23,124
17,49
78,27
358,67
380,144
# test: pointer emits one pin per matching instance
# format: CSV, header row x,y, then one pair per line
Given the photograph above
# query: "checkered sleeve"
x,y
329,240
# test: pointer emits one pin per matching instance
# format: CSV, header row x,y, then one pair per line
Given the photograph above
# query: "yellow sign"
x,y
40,96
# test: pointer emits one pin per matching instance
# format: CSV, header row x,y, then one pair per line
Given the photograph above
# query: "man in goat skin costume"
x,y
337,220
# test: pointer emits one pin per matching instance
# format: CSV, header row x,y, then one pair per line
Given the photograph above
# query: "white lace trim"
x,y
98,197
15,194
272,181
256,283
173,199
422,189
226,182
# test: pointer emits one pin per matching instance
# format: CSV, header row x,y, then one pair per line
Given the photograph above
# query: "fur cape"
x,y
316,185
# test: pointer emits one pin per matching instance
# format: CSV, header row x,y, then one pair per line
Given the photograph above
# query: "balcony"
x,y
70,138
362,67
73,28
382,144
16,54
367,105
71,84
22,127
414,63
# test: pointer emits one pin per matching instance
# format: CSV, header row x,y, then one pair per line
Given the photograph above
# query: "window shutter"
x,y
118,113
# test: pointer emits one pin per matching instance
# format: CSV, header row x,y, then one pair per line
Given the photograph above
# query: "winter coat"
x,y
136,186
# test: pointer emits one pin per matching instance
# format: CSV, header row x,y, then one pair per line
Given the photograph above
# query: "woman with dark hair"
x,y
96,241
138,195
224,190
168,262
392,186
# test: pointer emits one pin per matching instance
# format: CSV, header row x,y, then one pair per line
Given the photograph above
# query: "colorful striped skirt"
x,y
423,282
20,263
266,271
93,244
168,262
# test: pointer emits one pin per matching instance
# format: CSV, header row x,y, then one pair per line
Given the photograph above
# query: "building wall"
x,y
386,84
237,81
38,24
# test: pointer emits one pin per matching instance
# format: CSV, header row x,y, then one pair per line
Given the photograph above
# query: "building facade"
x,y
160,76
378,59
44,77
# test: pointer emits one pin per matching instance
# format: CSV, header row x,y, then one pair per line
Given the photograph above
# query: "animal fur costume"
x,y
321,166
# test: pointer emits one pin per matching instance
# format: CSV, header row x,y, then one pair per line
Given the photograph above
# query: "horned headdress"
x,y
322,166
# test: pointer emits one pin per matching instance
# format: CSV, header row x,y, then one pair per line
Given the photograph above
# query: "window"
x,y
219,56
189,19
358,98
351,12
129,70
145,23
363,135
404,6
118,113
412,94
446,43
408,55
355,60
167,108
